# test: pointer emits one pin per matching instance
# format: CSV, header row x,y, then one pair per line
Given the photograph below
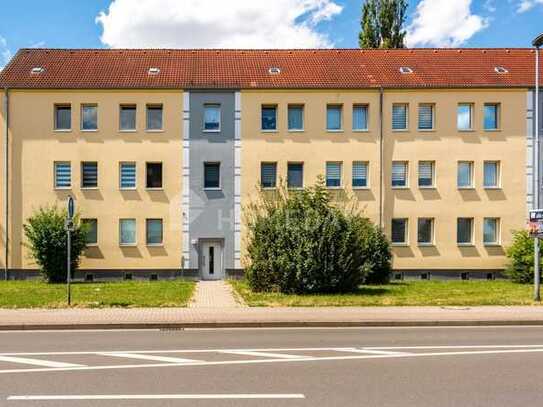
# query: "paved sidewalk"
x,y
215,294
260,317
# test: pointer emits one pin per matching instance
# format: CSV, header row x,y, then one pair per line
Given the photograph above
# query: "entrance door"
x,y
211,261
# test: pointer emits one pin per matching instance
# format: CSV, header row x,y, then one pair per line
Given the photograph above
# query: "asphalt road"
x,y
274,367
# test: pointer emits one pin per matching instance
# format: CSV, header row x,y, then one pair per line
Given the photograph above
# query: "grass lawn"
x,y
37,294
401,293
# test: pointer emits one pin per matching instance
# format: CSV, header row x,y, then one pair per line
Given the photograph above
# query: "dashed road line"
x,y
38,362
155,358
156,397
263,354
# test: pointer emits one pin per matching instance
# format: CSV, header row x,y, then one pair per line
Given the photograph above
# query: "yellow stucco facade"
x,y
35,146
444,145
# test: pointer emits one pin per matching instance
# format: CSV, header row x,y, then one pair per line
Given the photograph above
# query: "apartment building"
x,y
163,149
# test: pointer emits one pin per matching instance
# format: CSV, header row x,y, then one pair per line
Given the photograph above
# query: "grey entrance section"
x,y
212,211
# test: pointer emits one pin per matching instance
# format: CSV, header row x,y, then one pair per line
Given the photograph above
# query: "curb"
x,y
277,324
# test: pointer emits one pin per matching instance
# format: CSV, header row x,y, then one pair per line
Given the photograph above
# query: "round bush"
x,y
300,243
521,258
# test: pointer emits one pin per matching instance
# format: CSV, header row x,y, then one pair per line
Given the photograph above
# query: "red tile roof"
x,y
228,69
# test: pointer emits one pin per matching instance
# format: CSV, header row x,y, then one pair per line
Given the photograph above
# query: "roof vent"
x,y
274,70
153,71
37,69
500,69
405,69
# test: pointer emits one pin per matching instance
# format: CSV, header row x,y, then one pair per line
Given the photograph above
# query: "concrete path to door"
x,y
215,294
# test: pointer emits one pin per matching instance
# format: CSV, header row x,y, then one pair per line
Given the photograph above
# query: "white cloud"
x,y
525,5
216,23
5,53
443,23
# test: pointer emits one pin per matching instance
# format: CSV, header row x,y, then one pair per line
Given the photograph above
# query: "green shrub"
x,y
521,255
47,242
299,242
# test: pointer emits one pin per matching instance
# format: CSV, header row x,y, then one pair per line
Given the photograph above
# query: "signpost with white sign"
x,y
69,227
536,231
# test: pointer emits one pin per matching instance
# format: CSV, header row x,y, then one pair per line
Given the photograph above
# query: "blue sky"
x,y
248,24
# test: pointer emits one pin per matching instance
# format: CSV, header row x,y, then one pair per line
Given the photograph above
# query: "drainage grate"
x,y
154,277
89,277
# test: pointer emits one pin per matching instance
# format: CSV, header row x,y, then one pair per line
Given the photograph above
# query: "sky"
x,y
256,24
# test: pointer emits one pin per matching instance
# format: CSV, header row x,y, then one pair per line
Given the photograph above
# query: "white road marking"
x,y
372,351
262,354
38,362
148,357
157,397
254,361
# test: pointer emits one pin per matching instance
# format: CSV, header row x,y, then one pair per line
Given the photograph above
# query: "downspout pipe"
x,y
6,182
381,155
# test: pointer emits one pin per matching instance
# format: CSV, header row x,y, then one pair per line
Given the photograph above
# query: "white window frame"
x,y
131,105
433,107
367,107
472,231
131,244
97,174
340,163
498,174
219,188
471,116
472,171
406,165
154,105
302,107
162,178
55,184
270,106
55,121
83,106
498,232
498,116
161,243
367,164
219,107
135,175
341,118
433,184
406,128
432,232
406,232
93,244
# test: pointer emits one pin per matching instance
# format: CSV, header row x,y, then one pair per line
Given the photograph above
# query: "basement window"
x,y
405,70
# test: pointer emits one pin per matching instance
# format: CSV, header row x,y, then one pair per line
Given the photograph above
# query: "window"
x,y
89,174
464,120
426,116
333,174
212,117
295,117
425,231
492,113
426,173
63,175
360,117
153,231
92,230
154,117
399,231
465,174
127,232
269,117
212,175
333,117
127,175
89,117
491,231
360,174
268,175
399,173
63,117
399,116
127,118
491,176
295,175
464,231
153,175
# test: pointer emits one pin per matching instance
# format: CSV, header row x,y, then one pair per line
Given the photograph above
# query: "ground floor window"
x,y
154,231
127,232
399,231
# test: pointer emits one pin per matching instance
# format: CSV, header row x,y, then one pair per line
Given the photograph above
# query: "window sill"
x,y
466,130
426,244
211,131
295,188
334,188
62,130
128,189
497,188
492,244
154,131
128,131
154,244
400,187
269,130
465,244
361,131
400,130
128,244
296,130
91,244
89,130
268,188
405,244
334,131
492,130
466,188
427,187
213,189
62,188
89,188
154,189
427,130
361,188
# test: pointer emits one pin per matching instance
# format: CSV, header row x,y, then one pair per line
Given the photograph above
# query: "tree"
x,y
521,255
382,24
300,242
47,242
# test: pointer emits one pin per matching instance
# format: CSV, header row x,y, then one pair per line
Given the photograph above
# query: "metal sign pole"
x,y
537,243
69,264
69,228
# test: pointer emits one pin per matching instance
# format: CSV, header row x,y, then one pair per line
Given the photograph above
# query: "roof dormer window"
x,y
501,69
405,69
153,71
37,69
274,70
